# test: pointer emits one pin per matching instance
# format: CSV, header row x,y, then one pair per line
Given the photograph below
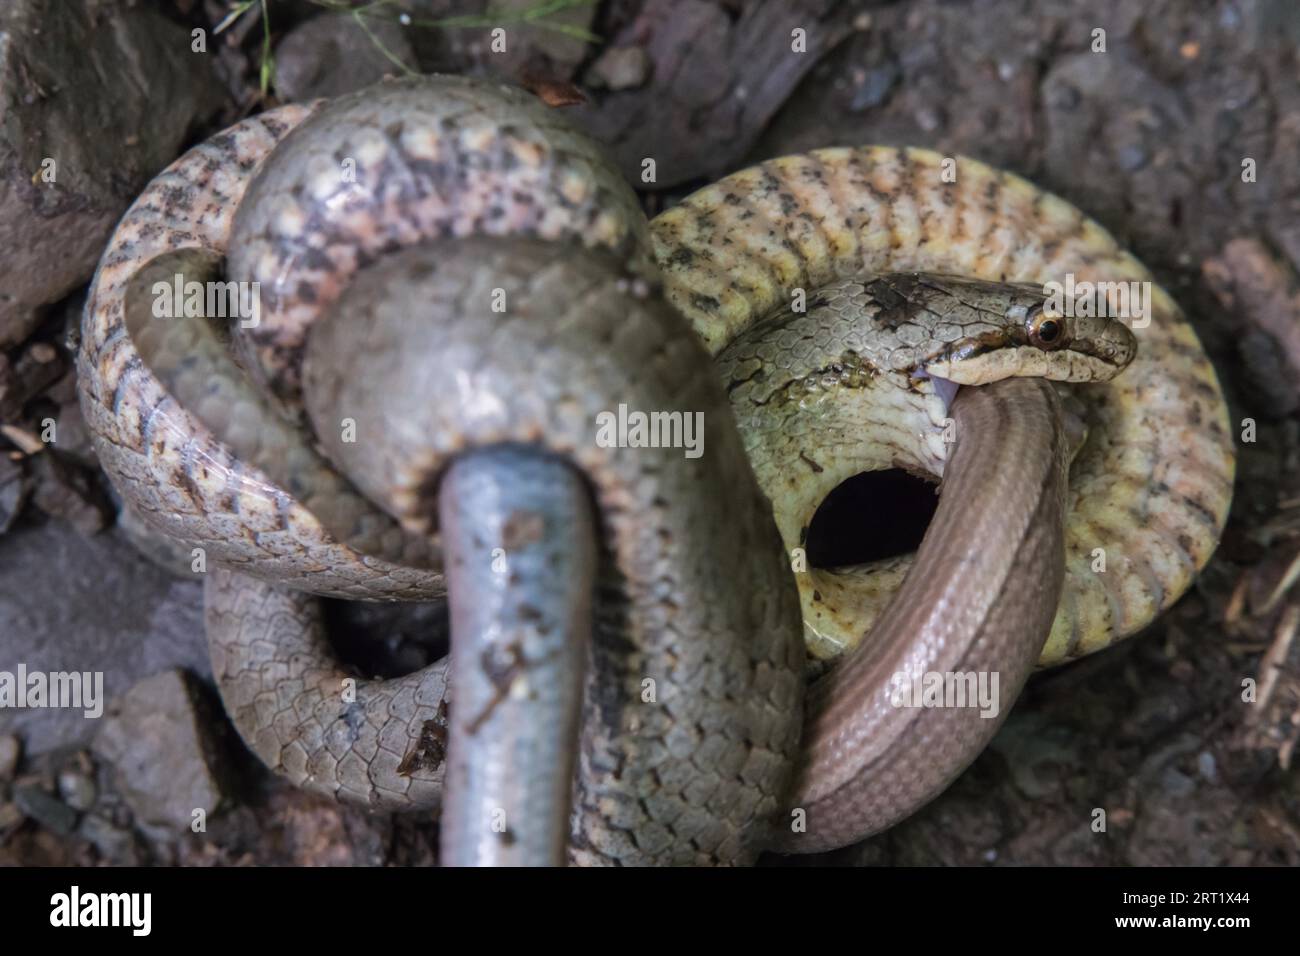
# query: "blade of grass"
x,y
268,59
237,11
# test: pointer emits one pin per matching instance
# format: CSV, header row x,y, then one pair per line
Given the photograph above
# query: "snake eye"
x,y
1045,331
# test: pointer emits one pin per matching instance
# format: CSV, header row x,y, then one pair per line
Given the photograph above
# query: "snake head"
x,y
1010,330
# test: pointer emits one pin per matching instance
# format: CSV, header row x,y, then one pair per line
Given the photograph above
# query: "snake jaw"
x,y
1067,365
1014,330
1092,349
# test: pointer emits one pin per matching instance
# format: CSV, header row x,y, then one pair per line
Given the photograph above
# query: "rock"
x,y
72,436
620,68
40,806
330,55
11,749
1135,143
70,603
163,741
96,99
115,844
717,80
563,50
77,790
1207,766
550,47
63,489
10,817
875,86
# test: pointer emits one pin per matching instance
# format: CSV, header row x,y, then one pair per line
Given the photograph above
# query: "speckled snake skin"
x,y
695,592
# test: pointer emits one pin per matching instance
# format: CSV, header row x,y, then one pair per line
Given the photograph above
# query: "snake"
x,y
383,228
692,689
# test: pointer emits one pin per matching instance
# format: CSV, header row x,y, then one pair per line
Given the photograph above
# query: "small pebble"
x,y
622,68
45,809
77,790
874,87
1207,766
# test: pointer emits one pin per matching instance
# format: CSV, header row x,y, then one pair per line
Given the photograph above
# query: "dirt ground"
x,y
1153,137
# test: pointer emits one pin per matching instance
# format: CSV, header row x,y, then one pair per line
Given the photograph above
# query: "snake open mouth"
x,y
946,389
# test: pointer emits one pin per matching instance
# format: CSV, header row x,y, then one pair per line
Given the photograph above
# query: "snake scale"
x,y
381,226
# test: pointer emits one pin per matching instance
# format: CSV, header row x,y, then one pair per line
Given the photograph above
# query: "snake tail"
x,y
520,540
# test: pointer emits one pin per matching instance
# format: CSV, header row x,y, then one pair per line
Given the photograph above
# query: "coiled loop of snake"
x,y
1151,486
385,194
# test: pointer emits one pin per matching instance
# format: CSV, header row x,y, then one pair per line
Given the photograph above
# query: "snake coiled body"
x,y
695,593
1151,486
1148,492
697,773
